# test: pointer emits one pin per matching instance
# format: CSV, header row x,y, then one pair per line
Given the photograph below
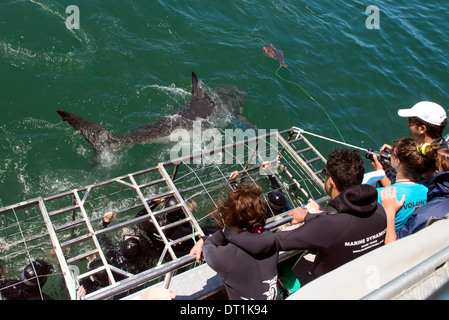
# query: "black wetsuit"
x,y
276,187
116,257
173,233
354,225
153,237
27,288
14,290
247,263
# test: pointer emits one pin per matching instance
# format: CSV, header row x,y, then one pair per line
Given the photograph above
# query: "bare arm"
x,y
391,205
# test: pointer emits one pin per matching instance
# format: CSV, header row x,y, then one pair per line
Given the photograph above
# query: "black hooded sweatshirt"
x,y
246,275
354,224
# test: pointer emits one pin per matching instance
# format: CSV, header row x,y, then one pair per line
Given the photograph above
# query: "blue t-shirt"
x,y
415,197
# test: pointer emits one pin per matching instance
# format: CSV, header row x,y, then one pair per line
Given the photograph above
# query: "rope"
x,y
77,285
201,182
312,98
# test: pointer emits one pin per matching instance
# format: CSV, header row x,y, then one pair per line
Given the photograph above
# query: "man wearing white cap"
x,y
426,121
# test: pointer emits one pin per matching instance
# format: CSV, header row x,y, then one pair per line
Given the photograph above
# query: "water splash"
x,y
172,89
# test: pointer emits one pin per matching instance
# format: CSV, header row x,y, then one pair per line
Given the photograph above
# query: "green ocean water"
x,y
130,63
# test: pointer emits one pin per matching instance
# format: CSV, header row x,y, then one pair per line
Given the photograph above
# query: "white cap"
x,y
428,111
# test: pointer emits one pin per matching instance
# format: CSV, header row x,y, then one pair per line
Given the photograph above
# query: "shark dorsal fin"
x,y
195,85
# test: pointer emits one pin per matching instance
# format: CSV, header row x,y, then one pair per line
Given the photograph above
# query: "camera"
x,y
383,157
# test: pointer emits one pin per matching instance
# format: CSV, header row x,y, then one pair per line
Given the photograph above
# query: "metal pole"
x,y
409,278
301,162
301,131
59,254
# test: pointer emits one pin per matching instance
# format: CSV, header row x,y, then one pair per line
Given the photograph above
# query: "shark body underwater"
x,y
209,105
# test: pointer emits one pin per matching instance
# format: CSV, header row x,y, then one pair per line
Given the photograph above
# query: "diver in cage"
x,y
29,287
172,233
162,220
277,204
98,279
135,250
148,226
276,200
141,244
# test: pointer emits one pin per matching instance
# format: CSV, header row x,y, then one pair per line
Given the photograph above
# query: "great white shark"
x,y
209,105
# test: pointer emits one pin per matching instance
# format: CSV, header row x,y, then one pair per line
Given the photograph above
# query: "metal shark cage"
x,y
67,228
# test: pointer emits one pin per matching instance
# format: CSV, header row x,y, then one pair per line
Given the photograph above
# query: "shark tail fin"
x,y
99,137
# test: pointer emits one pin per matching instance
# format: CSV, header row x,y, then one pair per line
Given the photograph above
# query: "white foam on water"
x,y
172,89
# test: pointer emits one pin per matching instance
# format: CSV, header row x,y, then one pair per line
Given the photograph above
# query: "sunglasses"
x,y
411,121
415,121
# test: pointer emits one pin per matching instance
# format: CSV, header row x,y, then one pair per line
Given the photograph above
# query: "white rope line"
x,y
243,167
201,182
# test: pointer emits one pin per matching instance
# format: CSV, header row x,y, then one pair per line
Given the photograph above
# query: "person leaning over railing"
x,y
243,253
352,224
